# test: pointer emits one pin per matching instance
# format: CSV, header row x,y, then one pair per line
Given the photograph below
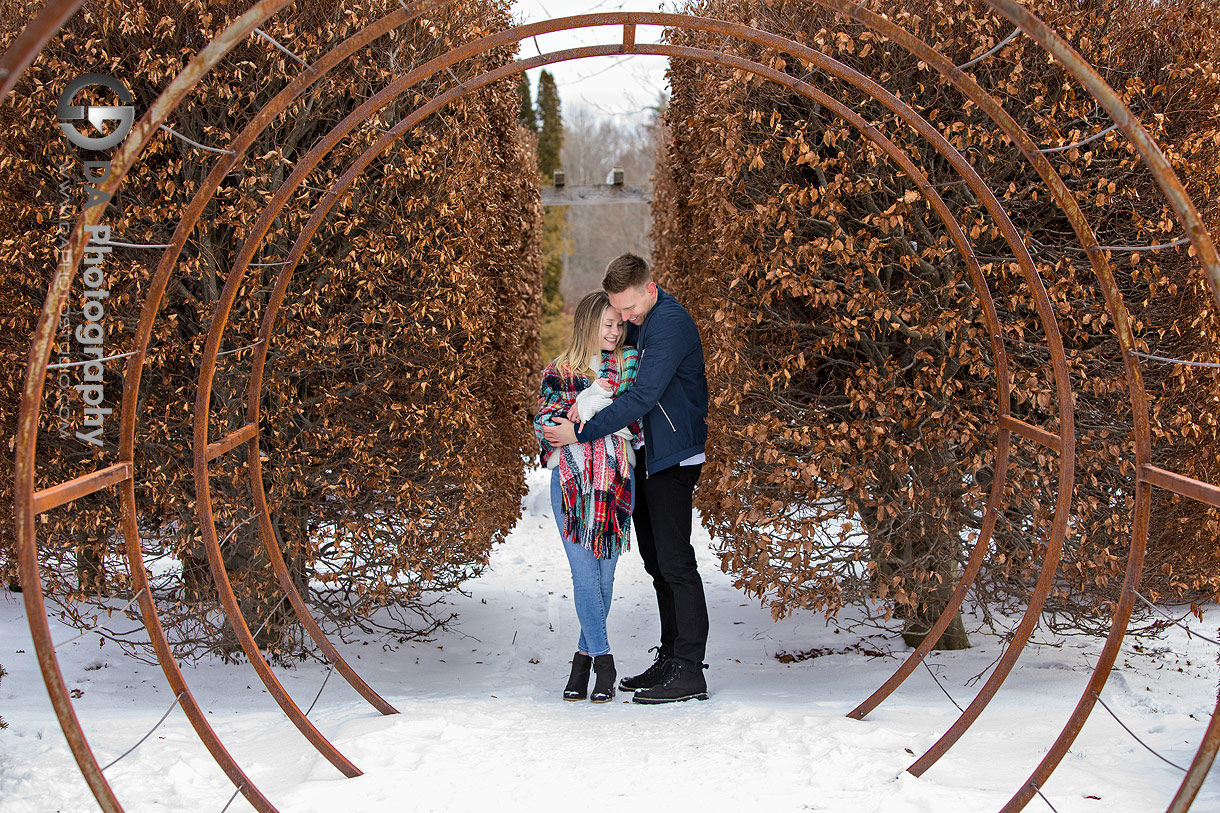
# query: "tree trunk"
x,y
920,621
90,568
912,538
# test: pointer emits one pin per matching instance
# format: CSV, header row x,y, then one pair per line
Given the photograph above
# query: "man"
x,y
670,392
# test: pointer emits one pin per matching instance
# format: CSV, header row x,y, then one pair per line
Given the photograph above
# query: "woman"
x,y
591,484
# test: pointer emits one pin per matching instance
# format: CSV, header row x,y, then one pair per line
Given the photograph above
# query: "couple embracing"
x,y
621,423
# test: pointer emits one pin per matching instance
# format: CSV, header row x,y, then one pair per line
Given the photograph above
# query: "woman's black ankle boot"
x,y
603,687
578,681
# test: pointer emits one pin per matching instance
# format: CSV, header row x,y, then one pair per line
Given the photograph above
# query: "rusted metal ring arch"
x,y
248,251
129,416
1202,253
637,50
193,211
28,502
32,39
1117,310
1054,545
153,299
1146,473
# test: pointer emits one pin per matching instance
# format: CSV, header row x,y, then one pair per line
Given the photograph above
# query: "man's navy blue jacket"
x,y
670,389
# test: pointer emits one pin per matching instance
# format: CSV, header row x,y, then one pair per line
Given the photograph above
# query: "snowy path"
x,y
482,726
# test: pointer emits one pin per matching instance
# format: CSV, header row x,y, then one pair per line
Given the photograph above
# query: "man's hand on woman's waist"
x,y
562,433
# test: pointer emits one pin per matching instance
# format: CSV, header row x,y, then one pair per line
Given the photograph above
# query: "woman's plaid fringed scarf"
x,y
596,497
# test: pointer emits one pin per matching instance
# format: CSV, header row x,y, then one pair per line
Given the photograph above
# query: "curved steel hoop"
x,y
1063,443
32,39
29,502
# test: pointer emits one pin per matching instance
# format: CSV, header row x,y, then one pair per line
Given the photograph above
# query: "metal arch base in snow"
x,y
29,502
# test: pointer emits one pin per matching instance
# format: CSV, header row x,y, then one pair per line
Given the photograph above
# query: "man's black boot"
x,y
603,687
649,677
680,680
578,681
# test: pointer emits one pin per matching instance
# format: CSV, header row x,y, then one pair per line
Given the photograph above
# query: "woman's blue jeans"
x,y
592,580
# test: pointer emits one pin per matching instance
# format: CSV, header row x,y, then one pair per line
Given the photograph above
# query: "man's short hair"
x,y
626,271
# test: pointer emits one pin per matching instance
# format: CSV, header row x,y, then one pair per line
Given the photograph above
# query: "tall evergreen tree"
x,y
554,224
554,236
526,115
550,138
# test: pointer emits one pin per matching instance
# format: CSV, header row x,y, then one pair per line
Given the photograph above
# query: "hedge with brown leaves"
x,y
396,397
852,431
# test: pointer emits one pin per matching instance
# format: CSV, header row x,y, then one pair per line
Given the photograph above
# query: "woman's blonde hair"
x,y
585,344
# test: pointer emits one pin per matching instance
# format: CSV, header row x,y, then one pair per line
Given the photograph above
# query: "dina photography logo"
x,y
90,131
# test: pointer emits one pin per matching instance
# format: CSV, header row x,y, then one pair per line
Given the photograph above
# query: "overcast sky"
x,y
622,88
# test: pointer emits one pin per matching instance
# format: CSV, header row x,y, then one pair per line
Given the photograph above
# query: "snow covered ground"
x,y
482,725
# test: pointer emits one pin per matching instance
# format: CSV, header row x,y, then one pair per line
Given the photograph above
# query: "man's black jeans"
x,y
662,518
